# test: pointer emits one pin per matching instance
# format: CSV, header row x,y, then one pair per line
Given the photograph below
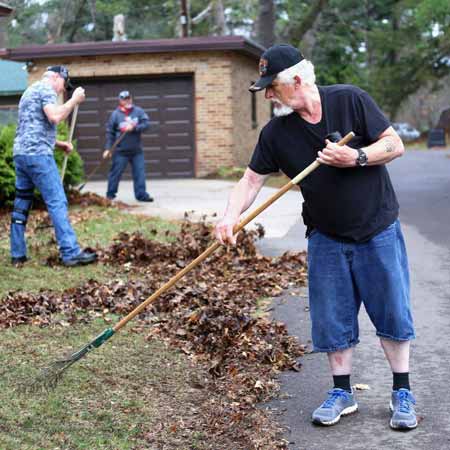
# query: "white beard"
x,y
280,109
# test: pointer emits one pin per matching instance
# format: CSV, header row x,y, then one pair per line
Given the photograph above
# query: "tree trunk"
x,y
297,33
3,25
219,18
265,28
76,25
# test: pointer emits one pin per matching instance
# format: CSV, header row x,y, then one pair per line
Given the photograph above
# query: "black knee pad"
x,y
26,194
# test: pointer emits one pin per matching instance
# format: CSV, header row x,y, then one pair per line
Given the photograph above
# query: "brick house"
x,y
195,91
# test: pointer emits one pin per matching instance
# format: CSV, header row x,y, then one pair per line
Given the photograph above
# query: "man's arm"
x,y
387,147
57,113
241,197
110,131
144,122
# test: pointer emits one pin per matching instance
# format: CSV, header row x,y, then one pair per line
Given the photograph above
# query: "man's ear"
x,y
298,81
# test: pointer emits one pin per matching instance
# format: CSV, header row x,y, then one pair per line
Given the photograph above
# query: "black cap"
x,y
273,61
124,94
63,72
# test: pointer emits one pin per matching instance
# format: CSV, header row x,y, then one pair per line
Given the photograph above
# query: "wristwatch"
x,y
362,159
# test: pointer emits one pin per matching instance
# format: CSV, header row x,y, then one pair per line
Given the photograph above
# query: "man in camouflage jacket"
x,y
35,165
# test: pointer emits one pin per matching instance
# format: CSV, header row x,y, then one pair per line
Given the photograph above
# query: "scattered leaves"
x,y
209,315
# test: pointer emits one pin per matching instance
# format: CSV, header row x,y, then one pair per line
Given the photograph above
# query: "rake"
x,y
50,376
72,129
94,171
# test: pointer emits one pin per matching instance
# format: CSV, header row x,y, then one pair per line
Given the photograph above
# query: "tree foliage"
x,y
389,47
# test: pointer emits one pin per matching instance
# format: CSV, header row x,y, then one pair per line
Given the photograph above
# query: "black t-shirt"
x,y
351,204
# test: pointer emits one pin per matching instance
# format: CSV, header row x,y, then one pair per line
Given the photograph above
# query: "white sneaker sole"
x,y
345,412
402,426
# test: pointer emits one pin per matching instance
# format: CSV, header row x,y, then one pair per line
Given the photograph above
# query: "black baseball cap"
x,y
63,72
124,94
273,61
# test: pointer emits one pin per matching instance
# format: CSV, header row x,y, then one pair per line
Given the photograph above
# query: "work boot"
x,y
339,403
84,257
402,409
18,261
146,199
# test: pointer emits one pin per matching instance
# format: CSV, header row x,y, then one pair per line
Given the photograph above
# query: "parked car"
x,y
406,131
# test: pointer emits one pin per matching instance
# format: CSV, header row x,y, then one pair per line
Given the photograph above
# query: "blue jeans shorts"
x,y
344,275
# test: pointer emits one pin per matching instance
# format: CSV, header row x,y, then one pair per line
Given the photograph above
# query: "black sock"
x,y
342,382
401,381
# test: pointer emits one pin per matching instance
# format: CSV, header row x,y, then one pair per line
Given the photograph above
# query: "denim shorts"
x,y
342,275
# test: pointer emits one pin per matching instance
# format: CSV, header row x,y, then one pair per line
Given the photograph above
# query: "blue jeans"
x,y
120,161
342,275
40,171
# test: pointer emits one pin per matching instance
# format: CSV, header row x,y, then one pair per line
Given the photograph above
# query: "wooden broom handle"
x,y
72,129
212,248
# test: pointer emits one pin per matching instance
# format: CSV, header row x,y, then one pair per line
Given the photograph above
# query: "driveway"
x,y
208,199
422,182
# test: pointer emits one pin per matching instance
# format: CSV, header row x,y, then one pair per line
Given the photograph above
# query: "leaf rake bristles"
x,y
50,376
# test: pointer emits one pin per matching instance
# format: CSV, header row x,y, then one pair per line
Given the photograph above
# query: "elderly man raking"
x,y
356,252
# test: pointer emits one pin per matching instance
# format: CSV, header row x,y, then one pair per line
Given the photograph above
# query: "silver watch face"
x,y
362,158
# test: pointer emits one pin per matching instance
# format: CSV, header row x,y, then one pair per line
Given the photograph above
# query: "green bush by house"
x,y
74,171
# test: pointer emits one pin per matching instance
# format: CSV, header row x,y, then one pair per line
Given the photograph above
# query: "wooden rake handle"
x,y
212,248
102,162
72,129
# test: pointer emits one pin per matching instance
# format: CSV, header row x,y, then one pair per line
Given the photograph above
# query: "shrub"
x,y
233,173
7,175
74,170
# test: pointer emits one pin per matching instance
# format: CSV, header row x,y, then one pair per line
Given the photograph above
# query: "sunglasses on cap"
x,y
124,95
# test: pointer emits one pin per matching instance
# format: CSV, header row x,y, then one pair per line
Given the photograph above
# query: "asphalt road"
x,y
422,183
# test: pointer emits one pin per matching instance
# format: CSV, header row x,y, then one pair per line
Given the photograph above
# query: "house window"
x,y
253,109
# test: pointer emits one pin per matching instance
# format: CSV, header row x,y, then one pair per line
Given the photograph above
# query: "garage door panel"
x,y
88,133
176,127
158,141
169,142
185,142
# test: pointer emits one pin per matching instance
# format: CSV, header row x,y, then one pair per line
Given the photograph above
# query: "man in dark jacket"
x,y
132,120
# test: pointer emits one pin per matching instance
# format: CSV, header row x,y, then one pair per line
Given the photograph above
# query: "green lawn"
x,y
113,399
130,393
99,229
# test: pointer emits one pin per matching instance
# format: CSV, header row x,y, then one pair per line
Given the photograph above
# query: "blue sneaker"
x,y
403,412
339,403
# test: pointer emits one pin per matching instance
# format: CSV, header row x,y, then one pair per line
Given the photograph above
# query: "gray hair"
x,y
304,69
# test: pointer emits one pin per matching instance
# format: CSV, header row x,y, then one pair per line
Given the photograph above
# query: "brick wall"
x,y
244,73
223,132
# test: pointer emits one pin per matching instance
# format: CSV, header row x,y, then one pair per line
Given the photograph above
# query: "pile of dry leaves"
x,y
209,315
40,220
75,197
